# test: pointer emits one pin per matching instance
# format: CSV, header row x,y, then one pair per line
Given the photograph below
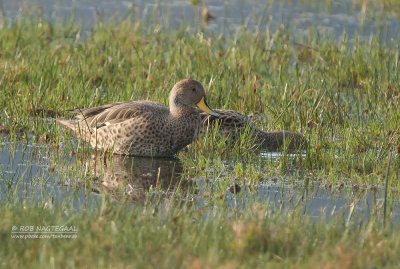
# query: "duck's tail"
x,y
67,123
80,128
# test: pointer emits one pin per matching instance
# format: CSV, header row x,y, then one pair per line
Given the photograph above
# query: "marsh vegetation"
x,y
221,202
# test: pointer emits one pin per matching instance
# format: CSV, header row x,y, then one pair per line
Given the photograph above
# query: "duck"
x,y
231,123
144,128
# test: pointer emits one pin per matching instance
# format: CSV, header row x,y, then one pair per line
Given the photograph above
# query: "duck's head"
x,y
189,93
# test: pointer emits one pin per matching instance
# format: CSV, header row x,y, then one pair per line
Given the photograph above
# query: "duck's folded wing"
x,y
93,111
97,117
89,118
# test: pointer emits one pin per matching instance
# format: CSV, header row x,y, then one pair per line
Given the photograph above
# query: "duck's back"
x,y
118,112
230,122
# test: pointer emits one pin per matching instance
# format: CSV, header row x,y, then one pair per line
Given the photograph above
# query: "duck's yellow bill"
x,y
206,108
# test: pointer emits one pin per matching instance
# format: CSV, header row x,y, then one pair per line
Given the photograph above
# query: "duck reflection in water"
x,y
131,177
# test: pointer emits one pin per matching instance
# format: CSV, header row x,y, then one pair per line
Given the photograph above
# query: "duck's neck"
x,y
178,110
182,112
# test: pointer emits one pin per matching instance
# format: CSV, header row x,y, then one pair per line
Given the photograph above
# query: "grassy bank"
x,y
342,95
180,237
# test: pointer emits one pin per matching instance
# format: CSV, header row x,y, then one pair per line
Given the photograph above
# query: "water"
x,y
40,173
316,201
28,173
331,17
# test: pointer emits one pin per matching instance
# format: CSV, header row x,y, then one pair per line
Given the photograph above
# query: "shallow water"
x,y
27,172
332,17
38,173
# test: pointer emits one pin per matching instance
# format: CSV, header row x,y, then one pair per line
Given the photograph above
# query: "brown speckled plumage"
x,y
143,128
232,123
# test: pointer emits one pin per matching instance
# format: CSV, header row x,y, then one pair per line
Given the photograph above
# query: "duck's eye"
x,y
194,89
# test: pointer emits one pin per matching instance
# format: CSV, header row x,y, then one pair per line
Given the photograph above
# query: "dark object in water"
x,y
235,188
